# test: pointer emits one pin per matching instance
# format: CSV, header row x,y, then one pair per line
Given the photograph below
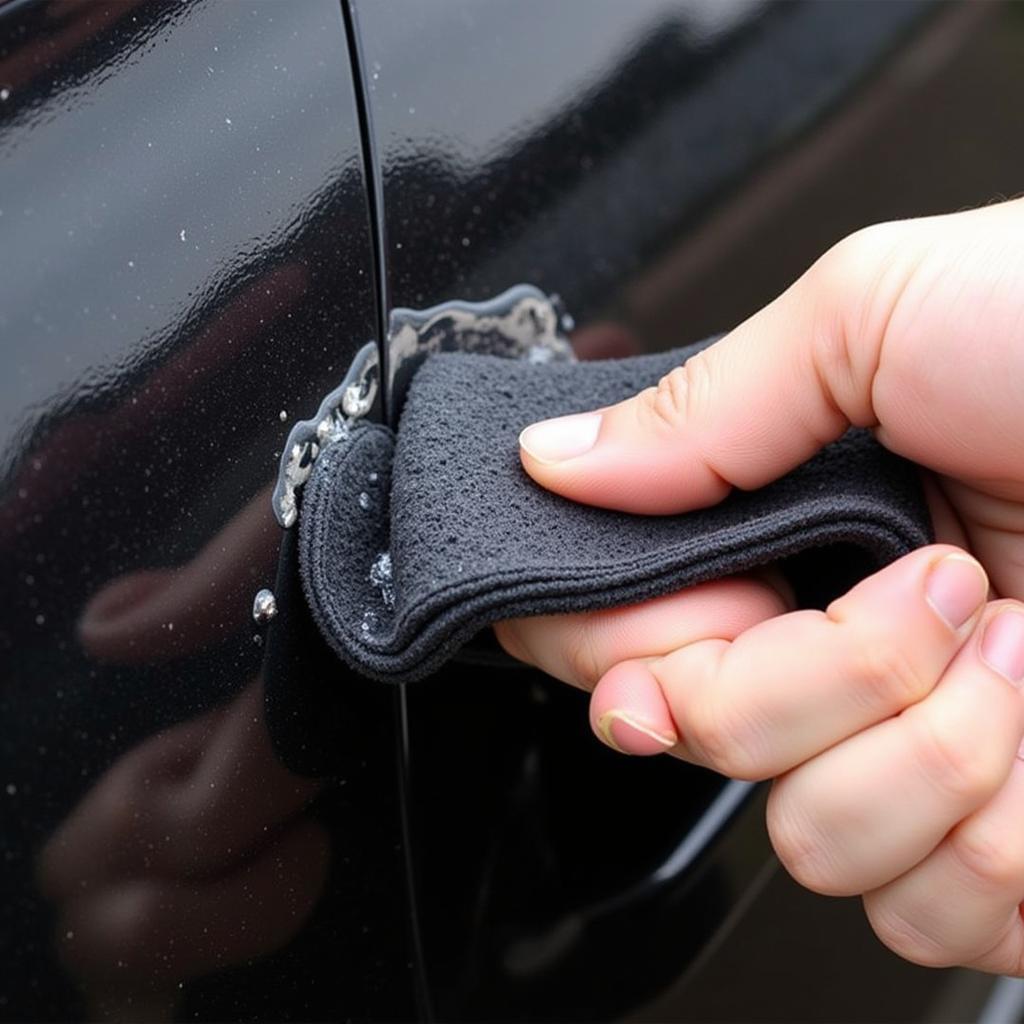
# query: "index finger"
x,y
580,647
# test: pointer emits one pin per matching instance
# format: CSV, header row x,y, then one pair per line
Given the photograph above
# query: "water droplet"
x,y
364,500
283,415
5,94
11,789
40,620
264,606
373,478
227,120
382,577
181,234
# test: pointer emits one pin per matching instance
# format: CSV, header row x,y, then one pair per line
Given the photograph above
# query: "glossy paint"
x,y
185,269
603,136
206,209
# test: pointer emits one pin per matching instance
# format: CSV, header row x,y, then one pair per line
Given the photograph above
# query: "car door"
x,y
187,267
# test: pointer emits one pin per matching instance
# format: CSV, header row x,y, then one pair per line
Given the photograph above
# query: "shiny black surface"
x,y
186,269
204,212
528,141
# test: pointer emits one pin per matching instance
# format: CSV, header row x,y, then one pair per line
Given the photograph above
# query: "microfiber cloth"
x,y
412,541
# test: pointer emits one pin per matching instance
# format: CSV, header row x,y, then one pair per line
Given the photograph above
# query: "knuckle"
x,y
886,677
898,933
857,285
681,393
852,267
726,738
800,845
856,255
988,860
962,770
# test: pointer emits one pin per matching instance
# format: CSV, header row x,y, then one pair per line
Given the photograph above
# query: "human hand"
x,y
893,719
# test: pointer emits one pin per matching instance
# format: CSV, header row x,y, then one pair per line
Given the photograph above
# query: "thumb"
x,y
749,408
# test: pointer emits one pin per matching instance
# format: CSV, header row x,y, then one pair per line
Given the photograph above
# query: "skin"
x,y
891,721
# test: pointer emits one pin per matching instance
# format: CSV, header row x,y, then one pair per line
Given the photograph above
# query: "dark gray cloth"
x,y
471,539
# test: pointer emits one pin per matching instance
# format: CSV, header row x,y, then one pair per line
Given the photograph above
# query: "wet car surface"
x,y
205,211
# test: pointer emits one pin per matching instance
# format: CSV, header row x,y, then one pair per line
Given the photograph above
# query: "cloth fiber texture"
x,y
411,543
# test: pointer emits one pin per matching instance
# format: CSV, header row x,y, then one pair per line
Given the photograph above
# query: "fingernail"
x,y
1002,646
956,588
625,734
561,438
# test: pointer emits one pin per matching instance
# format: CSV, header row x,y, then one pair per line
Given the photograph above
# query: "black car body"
x,y
206,210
